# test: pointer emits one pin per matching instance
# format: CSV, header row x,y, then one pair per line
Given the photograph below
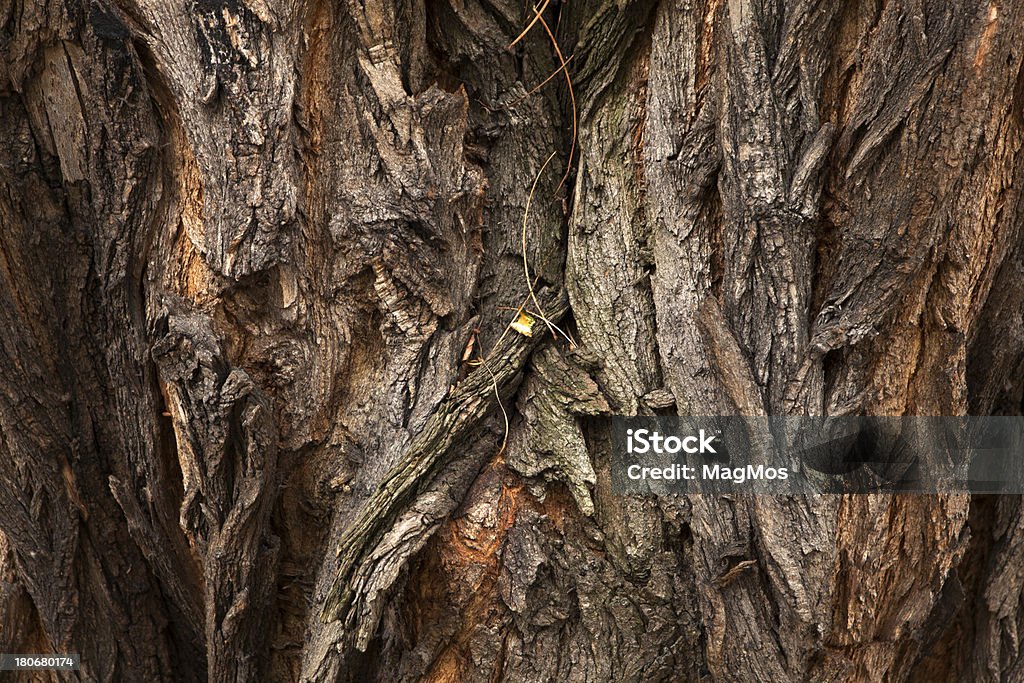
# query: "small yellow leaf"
x,y
524,324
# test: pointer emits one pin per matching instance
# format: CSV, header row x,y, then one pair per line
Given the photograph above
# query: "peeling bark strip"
x,y
362,552
252,252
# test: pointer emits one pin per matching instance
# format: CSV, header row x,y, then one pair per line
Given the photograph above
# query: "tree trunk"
x,y
264,414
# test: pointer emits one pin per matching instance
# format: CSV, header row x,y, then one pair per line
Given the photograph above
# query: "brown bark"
x,y
262,414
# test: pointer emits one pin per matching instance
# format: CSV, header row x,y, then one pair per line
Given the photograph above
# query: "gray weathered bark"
x,y
262,412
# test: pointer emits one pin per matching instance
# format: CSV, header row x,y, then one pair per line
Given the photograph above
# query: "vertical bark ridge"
x,y
252,254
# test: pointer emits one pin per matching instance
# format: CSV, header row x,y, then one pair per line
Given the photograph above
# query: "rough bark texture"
x,y
262,414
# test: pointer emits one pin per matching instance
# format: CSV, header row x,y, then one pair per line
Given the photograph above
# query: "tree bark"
x,y
264,414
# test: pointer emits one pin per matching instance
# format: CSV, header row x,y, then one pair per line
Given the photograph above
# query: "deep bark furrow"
x,y
262,412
